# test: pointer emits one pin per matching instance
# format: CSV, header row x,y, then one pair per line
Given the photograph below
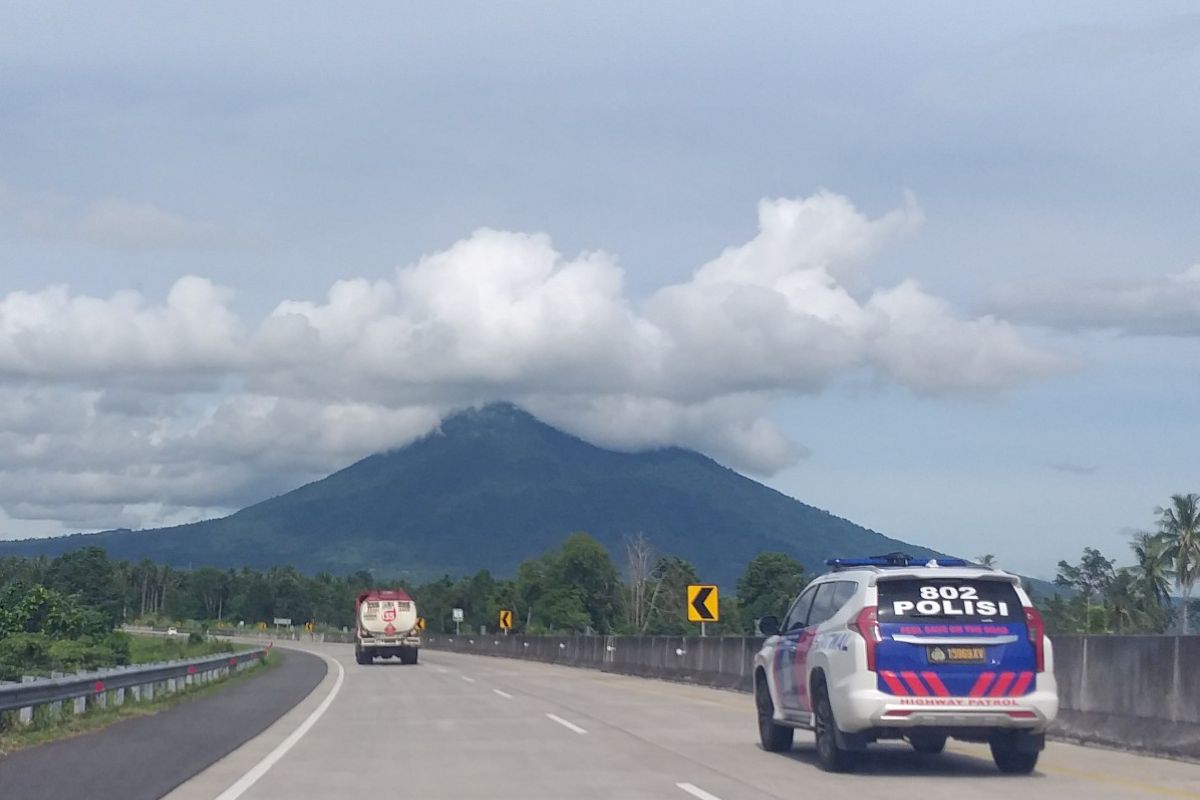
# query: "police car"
x,y
894,647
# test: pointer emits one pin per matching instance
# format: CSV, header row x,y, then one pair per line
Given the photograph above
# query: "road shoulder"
x,y
144,758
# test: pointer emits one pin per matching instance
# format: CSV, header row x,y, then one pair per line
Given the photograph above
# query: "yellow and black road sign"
x,y
703,603
308,626
505,620
420,623
262,626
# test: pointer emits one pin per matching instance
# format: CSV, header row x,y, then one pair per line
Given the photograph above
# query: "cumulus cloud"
x,y
158,411
1164,306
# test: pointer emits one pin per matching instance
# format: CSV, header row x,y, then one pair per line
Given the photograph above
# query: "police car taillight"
x,y
1037,636
866,625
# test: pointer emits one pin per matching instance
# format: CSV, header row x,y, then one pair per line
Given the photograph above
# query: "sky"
x,y
935,269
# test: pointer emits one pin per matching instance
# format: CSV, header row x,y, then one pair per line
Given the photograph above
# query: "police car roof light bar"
x,y
896,560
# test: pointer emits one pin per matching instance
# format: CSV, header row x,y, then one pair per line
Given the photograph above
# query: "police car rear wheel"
x,y
927,743
830,757
775,738
1009,759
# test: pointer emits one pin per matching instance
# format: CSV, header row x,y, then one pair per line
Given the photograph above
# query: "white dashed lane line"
x,y
568,725
505,695
468,680
696,791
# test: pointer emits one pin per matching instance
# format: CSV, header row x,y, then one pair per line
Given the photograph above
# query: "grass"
x,y
46,728
147,649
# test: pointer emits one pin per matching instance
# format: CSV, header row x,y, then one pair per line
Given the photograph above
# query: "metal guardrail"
x,y
141,678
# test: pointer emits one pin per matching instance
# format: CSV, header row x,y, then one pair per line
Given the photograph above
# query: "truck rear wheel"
x,y
408,655
362,656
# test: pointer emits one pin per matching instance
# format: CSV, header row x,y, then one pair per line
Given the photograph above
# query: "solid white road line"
x,y
503,694
696,791
565,724
468,680
269,760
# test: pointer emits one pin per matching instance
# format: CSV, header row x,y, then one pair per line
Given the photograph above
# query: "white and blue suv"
x,y
894,647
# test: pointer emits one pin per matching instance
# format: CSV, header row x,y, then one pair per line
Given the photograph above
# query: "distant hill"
x,y
490,488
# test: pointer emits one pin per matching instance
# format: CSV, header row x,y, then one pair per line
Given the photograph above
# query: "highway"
x,y
458,727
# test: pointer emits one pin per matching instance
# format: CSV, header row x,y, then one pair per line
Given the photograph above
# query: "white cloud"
x,y
123,225
160,411
1164,306
110,222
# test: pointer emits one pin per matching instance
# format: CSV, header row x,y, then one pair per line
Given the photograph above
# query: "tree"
x,y
88,575
639,567
583,563
1179,525
1090,578
1153,568
771,581
667,613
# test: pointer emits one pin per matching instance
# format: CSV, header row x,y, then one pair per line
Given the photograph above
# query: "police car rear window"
x,y
908,599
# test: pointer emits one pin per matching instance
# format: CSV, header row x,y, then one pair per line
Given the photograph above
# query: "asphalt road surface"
x,y
144,758
457,727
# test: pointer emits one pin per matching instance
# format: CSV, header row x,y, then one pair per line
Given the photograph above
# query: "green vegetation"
x,y
148,649
1105,598
575,588
491,487
42,630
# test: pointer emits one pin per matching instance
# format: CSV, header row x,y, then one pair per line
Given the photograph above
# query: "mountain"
x,y
490,488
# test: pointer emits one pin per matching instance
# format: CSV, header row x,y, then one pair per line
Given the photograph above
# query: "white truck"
x,y
386,626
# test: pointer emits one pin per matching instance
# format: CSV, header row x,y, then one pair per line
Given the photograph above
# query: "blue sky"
x,y
180,188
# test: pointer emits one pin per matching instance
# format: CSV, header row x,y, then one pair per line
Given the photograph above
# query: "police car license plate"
x,y
959,655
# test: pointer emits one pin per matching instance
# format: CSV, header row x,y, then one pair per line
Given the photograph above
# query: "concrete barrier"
x,y
1138,693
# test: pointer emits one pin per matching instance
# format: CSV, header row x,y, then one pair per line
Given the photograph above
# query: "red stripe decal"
x,y
981,685
915,684
1001,687
935,683
893,684
1022,686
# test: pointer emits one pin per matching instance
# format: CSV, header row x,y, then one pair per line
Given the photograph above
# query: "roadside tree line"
x,y
1104,598
577,588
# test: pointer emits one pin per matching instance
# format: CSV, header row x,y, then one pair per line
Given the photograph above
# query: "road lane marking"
x,y
1053,768
468,680
269,760
696,791
503,694
569,725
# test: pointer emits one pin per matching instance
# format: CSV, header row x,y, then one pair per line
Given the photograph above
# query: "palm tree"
x,y
1122,602
1153,568
1180,528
